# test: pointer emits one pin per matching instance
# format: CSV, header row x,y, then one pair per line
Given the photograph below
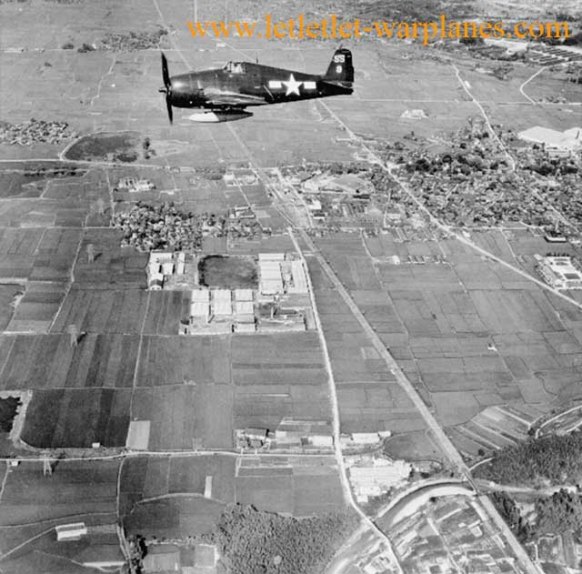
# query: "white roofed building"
x,y
222,302
560,272
299,278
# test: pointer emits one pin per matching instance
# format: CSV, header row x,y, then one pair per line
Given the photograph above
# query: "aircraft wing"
x,y
220,98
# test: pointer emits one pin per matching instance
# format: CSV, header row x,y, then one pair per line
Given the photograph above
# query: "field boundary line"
x,y
348,495
69,284
4,480
443,440
134,386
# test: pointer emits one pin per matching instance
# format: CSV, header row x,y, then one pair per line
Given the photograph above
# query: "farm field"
x,y
468,332
113,267
175,360
77,418
369,397
33,504
484,347
103,311
276,377
187,416
79,490
36,310
49,361
301,486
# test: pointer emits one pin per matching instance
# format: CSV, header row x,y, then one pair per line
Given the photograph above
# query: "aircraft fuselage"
x,y
248,80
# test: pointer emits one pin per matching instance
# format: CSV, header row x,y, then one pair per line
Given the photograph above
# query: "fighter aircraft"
x,y
223,94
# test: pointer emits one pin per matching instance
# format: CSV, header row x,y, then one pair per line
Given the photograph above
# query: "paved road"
x,y
443,440
521,88
348,495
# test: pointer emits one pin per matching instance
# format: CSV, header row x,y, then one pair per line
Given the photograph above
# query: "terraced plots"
x,y
468,332
38,254
369,397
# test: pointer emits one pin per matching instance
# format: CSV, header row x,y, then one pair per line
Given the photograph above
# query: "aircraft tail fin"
x,y
340,69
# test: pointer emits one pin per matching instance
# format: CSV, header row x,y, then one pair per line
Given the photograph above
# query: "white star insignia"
x,y
292,85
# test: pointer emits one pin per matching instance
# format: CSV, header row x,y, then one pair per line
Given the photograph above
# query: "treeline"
x,y
267,543
510,513
556,514
557,459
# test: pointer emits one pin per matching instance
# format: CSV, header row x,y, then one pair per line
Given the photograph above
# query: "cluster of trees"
x,y
137,552
214,173
556,459
510,512
130,41
164,226
265,543
561,512
8,409
556,514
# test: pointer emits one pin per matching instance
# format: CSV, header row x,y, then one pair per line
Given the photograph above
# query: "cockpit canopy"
x,y
235,67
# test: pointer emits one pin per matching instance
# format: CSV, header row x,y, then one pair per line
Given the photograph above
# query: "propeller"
x,y
167,89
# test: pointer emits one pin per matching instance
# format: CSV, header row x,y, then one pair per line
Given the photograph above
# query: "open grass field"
x,y
48,555
123,147
38,254
49,361
165,496
8,296
37,307
164,311
301,487
293,358
178,360
75,492
33,504
228,272
144,478
16,184
176,517
77,418
113,266
188,416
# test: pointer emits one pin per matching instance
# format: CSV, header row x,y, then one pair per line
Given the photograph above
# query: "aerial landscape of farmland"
x,y
315,308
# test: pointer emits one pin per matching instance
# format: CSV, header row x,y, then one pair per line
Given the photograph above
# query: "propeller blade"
x,y
167,87
169,106
165,72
